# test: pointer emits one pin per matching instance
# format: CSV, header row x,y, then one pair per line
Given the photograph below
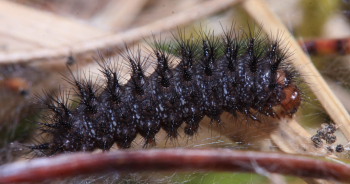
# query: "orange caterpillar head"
x,y
292,95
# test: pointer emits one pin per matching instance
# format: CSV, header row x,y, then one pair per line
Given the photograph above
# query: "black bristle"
x,y
214,74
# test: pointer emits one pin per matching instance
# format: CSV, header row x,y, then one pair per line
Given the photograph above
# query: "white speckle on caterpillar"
x,y
246,75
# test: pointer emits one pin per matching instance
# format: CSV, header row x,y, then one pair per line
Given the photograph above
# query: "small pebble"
x,y
339,148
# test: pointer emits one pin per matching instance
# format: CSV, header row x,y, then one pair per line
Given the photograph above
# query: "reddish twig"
x,y
172,159
326,46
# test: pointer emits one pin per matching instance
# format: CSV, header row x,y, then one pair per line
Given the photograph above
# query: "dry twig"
x,y
259,11
85,50
170,160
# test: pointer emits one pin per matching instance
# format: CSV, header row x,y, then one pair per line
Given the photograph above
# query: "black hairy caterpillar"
x,y
246,74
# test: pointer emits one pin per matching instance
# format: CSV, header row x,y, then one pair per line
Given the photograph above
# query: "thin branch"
x,y
334,46
169,160
85,50
112,17
259,11
291,137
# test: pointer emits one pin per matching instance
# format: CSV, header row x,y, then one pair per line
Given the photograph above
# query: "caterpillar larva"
x,y
247,75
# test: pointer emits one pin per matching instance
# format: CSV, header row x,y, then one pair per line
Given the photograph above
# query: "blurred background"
x,y
31,31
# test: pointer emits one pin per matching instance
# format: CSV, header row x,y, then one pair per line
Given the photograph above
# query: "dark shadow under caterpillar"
x,y
247,74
